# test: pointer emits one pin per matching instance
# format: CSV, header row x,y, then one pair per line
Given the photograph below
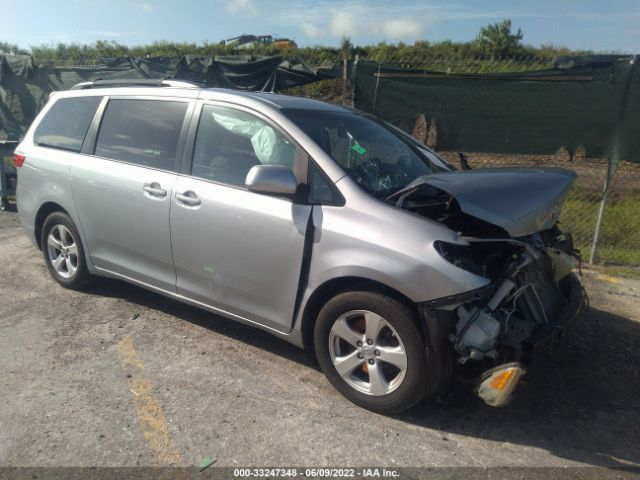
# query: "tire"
x,y
383,379
61,241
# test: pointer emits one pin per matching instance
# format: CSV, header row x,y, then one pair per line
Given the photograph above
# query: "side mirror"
x,y
271,179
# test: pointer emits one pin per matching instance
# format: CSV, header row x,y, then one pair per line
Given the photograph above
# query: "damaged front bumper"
x,y
565,319
496,329
496,385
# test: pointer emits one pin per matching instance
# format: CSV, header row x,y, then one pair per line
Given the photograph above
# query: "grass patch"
x,y
617,271
620,232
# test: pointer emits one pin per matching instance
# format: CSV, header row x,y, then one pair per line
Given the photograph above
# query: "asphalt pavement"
x,y
119,376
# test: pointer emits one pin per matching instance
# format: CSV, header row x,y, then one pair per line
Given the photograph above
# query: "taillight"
x,y
18,159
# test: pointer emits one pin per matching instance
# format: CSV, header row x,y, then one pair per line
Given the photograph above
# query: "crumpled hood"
x,y
520,200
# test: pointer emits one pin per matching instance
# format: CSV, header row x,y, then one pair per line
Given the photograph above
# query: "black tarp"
x,y
25,87
582,102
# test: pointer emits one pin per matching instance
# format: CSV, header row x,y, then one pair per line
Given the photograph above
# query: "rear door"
x,y
235,250
123,188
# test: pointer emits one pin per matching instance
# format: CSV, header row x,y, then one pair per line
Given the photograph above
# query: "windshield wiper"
x,y
410,189
402,194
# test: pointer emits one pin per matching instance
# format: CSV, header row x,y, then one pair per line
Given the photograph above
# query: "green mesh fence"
x,y
534,112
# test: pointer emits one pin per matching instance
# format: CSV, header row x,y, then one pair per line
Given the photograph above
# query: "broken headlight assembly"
x,y
458,255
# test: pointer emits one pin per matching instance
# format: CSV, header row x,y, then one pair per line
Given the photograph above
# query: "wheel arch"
x,y
335,286
44,211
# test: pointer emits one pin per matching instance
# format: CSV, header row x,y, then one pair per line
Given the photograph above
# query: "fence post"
x,y
344,81
375,92
603,202
354,74
614,156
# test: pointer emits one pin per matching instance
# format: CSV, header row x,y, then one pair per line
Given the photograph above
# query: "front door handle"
x,y
188,198
155,190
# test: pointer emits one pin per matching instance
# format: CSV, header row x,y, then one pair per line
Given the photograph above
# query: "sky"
x,y
601,25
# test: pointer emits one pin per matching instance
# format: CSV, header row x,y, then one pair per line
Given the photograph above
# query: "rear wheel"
x,y
369,347
63,251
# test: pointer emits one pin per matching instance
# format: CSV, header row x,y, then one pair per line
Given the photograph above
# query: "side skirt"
x,y
293,336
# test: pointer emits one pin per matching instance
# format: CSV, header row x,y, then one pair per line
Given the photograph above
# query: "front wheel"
x,y
371,351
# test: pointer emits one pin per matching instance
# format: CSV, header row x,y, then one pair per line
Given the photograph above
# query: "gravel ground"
x,y
70,363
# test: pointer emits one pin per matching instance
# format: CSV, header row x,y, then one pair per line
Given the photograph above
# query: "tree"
x,y
346,47
11,48
496,40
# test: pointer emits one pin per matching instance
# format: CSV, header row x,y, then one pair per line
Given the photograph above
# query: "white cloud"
x,y
242,6
400,28
344,23
311,30
357,19
393,21
146,7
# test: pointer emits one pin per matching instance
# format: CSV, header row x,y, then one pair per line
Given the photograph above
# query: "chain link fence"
x,y
619,236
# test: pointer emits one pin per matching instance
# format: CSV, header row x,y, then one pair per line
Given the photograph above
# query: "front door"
x,y
235,250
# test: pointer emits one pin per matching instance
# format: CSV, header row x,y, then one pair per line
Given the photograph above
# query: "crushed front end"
x,y
507,226
533,298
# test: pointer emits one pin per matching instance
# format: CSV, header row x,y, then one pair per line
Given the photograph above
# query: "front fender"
x,y
353,244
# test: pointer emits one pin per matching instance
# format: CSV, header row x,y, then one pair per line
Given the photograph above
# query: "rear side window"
x,y
143,132
66,123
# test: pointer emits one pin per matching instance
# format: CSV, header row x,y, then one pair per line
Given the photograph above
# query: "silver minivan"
x,y
325,226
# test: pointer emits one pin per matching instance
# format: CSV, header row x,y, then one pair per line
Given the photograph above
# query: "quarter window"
x,y
66,123
321,190
230,142
144,132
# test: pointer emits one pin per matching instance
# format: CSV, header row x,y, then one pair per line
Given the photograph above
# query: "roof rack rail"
x,y
136,82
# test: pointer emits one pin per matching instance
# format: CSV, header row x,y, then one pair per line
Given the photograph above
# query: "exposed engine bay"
x,y
532,285
533,294
533,297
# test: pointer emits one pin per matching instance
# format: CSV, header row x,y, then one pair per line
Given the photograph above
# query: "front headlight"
x,y
458,255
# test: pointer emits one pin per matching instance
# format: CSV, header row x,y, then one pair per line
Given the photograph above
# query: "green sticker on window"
x,y
359,149
154,153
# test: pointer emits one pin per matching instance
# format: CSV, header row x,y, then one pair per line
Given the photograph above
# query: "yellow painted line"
x,y
148,410
608,278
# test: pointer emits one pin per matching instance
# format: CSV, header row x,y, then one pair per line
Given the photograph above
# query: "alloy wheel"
x,y
62,251
367,352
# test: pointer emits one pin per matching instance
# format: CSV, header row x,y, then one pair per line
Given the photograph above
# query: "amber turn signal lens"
x,y
500,381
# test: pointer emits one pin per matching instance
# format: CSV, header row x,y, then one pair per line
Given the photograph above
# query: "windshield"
x,y
379,157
